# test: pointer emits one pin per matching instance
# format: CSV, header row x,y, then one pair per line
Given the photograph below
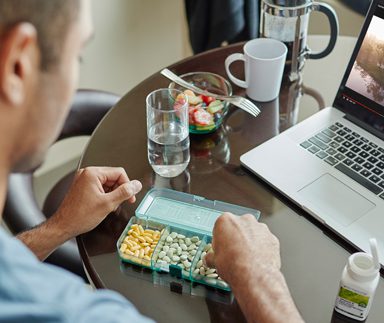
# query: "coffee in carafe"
x,y
287,21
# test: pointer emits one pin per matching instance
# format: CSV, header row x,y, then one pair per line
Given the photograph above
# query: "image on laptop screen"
x,y
367,74
363,92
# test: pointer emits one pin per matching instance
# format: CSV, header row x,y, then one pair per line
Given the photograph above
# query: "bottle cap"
x,y
374,252
361,266
364,266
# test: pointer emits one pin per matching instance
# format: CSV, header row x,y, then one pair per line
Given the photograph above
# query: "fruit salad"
x,y
205,112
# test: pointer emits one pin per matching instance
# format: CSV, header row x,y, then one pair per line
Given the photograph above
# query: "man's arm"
x,y
246,255
34,292
44,239
95,192
264,297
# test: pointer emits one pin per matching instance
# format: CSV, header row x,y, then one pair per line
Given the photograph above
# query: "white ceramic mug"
x,y
264,60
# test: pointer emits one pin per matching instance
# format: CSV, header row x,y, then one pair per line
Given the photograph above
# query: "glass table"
x,y
312,256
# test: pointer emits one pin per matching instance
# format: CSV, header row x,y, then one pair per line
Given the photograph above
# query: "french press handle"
x,y
334,24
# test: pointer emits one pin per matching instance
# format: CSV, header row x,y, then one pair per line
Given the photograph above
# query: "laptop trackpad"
x,y
335,199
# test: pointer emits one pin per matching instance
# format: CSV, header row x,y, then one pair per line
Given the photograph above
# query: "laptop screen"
x,y
361,94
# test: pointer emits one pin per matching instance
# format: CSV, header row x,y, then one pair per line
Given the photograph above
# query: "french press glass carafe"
x,y
287,21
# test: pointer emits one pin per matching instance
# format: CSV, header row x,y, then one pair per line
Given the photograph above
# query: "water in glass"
x,y
168,148
168,133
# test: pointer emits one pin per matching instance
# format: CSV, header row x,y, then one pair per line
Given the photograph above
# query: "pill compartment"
x,y
203,274
177,248
133,251
184,214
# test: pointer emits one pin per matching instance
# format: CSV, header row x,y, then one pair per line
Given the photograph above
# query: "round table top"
x,y
312,258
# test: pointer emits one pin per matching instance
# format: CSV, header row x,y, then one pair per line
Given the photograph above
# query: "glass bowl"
x,y
205,113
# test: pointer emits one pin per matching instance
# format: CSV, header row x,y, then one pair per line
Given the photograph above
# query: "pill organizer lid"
x,y
187,211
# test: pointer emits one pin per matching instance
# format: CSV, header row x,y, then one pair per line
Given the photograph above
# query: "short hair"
x,y
51,19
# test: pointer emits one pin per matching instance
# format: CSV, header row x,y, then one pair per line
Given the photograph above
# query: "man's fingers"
x,y
126,191
132,199
113,180
209,260
110,175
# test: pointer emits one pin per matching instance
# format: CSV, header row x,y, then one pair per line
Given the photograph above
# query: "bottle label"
x,y
353,302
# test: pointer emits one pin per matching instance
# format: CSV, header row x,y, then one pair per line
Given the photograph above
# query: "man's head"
x,y
40,45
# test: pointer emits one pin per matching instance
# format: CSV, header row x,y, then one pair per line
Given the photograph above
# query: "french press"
x,y
287,21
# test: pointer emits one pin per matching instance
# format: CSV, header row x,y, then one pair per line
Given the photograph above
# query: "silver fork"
x,y
236,100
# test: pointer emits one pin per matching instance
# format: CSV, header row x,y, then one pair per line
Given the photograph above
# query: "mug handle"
x,y
228,61
315,94
334,24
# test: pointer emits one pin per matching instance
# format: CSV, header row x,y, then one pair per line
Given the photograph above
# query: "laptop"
x,y
332,164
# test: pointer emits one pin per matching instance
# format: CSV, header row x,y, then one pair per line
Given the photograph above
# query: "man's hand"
x,y
242,242
247,256
95,192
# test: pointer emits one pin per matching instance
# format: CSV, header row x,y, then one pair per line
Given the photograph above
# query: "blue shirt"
x,y
32,291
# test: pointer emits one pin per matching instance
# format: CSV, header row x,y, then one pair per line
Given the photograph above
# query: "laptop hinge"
x,y
363,125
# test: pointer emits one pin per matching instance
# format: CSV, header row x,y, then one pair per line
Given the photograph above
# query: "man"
x,y
40,45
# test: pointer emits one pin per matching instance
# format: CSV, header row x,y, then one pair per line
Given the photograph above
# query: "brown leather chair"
x,y
21,211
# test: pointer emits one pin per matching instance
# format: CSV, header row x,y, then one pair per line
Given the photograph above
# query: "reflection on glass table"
x,y
289,101
209,152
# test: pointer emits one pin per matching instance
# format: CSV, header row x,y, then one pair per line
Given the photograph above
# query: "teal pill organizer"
x,y
171,231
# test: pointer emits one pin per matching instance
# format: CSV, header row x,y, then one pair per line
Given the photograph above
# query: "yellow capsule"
x,y
147,257
130,244
123,247
149,231
147,234
145,244
141,239
134,248
136,234
146,250
130,231
129,252
125,256
141,253
137,252
141,229
153,246
148,239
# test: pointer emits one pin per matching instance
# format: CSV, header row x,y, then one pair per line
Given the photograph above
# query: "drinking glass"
x,y
167,131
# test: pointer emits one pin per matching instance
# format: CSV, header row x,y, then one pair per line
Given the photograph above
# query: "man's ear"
x,y
19,59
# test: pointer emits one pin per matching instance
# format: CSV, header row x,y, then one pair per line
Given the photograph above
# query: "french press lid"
x,y
288,3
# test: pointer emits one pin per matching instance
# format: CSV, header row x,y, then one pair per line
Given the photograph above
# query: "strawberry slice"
x,y
202,117
207,99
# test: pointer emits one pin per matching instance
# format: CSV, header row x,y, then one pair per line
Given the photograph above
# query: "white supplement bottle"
x,y
358,284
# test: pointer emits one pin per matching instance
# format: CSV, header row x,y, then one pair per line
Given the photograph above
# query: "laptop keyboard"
x,y
350,153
